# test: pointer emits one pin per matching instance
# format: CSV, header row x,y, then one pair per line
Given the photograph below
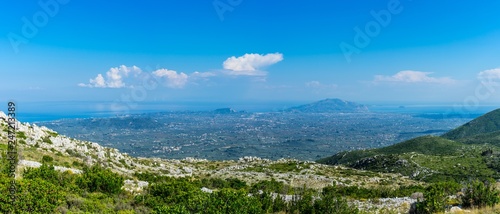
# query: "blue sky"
x,y
384,51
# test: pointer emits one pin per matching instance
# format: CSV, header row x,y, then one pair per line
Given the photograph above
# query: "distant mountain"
x,y
329,105
224,111
484,125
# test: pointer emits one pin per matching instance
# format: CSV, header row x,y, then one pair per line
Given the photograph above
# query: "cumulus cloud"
x,y
492,74
413,77
250,64
114,77
246,65
172,78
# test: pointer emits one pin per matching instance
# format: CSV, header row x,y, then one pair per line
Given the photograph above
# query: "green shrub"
x,y
480,194
268,186
232,201
47,140
49,174
436,197
38,196
98,179
21,135
47,159
330,204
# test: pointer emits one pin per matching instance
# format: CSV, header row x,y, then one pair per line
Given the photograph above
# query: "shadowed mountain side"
x,y
427,145
488,123
427,158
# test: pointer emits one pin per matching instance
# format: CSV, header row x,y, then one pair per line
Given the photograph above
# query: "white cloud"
x,y
202,74
409,76
173,79
492,74
246,65
249,64
114,77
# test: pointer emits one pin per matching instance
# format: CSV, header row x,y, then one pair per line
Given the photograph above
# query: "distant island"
x,y
224,111
329,106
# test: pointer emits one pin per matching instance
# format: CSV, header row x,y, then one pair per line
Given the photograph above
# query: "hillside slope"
x,y
469,151
426,145
488,123
427,158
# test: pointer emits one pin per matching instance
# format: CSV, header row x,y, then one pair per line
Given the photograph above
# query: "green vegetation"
x,y
479,194
47,159
53,134
427,158
98,179
466,158
47,140
487,123
427,145
21,135
184,196
356,192
98,190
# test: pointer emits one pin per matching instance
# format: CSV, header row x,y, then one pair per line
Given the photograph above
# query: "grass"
x,y
487,210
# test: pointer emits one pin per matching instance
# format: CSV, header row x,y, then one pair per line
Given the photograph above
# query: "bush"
x,y
480,194
98,179
47,140
21,135
49,174
38,196
232,201
47,159
436,197
175,192
268,186
236,183
334,205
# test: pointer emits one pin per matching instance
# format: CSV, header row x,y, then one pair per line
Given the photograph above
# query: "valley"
x,y
271,135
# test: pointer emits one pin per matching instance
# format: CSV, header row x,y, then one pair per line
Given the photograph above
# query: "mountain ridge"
x,y
331,105
485,124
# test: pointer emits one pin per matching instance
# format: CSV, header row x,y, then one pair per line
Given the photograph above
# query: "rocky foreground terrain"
x,y
35,142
